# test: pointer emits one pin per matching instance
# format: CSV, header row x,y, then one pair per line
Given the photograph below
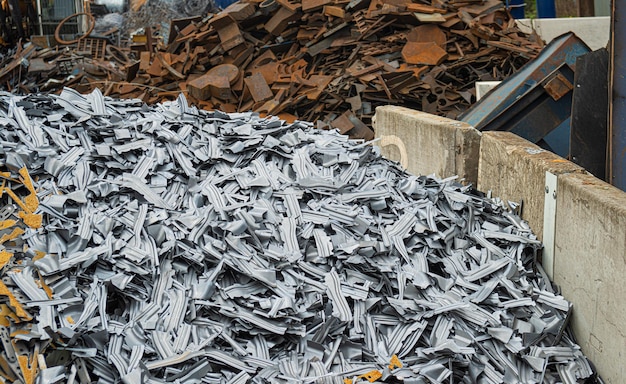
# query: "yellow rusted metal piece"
x,y
28,367
38,255
33,220
374,375
18,332
371,376
5,224
43,285
7,316
395,362
13,303
5,257
31,201
15,198
11,236
18,214
6,175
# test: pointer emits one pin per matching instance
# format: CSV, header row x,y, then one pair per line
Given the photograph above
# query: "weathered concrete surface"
x,y
515,169
425,144
590,268
594,31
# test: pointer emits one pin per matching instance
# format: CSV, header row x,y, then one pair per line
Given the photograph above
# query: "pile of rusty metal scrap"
x,y
331,61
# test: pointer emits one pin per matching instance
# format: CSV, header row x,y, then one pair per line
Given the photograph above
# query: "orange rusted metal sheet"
x,y
215,83
423,53
427,33
277,24
227,30
258,87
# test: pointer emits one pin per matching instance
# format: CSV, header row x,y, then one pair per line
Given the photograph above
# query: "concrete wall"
x,y
594,31
590,266
590,233
515,170
402,132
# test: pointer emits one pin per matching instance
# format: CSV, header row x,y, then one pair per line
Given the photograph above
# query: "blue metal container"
x,y
546,9
516,7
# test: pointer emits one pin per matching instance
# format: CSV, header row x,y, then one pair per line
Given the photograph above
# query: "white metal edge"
x,y
482,87
549,223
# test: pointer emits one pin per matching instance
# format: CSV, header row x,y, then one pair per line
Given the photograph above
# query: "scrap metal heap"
x,y
330,61
170,244
142,13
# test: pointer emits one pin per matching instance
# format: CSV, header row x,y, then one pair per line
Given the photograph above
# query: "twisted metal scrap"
x,y
180,245
160,12
196,7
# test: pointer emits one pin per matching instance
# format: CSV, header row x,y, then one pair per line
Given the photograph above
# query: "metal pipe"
x,y
617,96
39,17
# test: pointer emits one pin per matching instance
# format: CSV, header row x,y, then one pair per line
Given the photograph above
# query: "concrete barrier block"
x,y
425,144
515,169
590,266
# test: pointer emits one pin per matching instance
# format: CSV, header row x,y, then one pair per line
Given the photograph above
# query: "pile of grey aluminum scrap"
x,y
186,246
161,12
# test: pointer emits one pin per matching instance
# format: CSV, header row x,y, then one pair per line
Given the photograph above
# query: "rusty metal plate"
x,y
423,53
558,86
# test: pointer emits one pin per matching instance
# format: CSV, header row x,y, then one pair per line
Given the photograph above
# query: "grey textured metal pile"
x,y
180,245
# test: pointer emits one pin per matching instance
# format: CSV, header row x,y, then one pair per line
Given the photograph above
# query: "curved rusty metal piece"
x,y
57,31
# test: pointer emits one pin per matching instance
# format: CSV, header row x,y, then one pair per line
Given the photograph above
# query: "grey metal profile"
x,y
180,245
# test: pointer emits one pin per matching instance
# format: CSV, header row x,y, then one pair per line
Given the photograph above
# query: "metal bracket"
x,y
549,223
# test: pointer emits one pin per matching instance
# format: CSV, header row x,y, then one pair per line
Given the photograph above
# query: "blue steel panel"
x,y
546,9
618,96
516,7
562,50
558,140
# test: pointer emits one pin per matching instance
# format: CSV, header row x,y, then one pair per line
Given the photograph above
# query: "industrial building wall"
x,y
588,243
594,31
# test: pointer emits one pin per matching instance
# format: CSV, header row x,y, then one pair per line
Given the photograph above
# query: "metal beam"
x,y
39,18
590,112
617,107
